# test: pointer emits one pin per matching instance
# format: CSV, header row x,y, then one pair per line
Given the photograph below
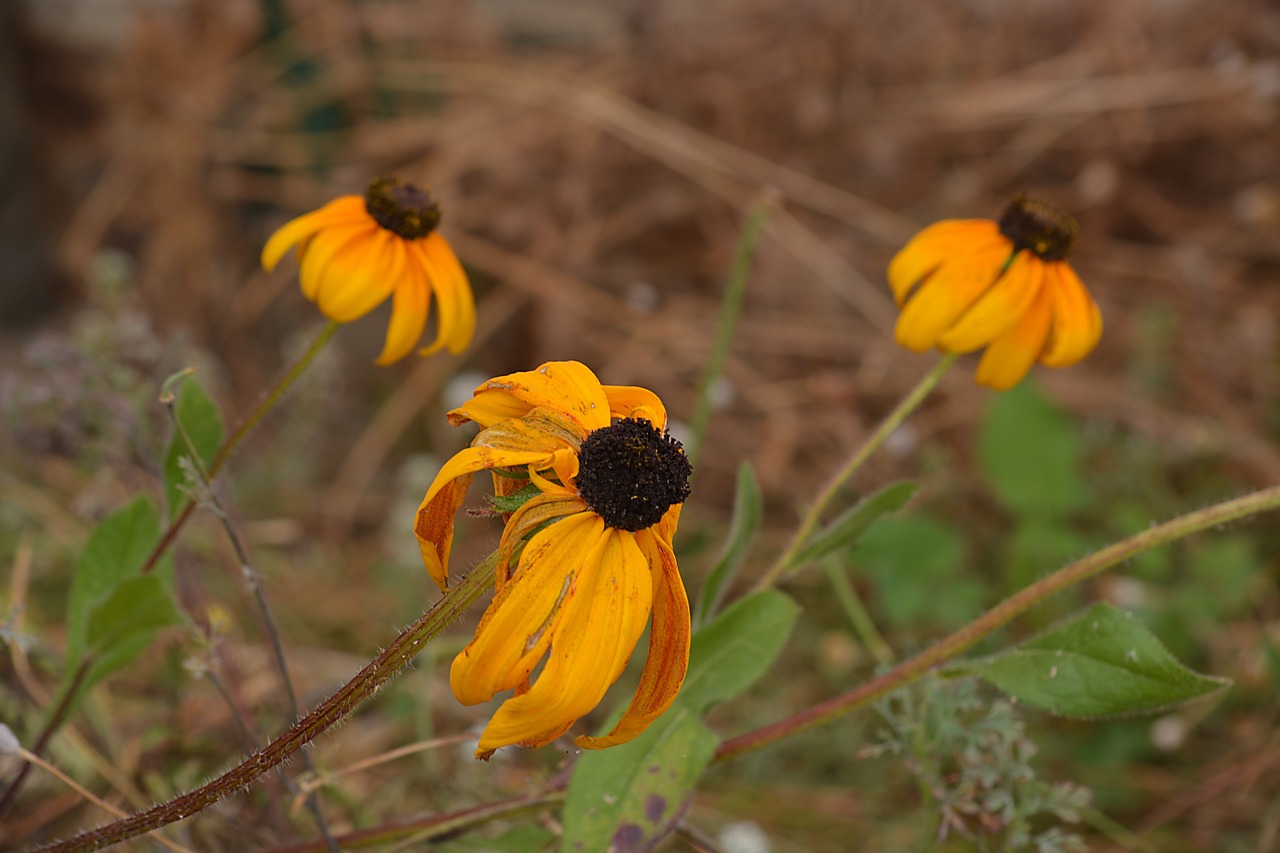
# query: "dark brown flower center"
x,y
630,474
402,208
1039,228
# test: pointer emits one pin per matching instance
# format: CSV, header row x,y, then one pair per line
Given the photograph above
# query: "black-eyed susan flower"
x,y
356,251
604,483
965,284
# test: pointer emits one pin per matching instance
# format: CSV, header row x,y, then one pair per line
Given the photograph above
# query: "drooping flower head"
x,y
356,251
599,484
965,284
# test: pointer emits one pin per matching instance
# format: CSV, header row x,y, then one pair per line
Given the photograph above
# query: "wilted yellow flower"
x,y
965,284
356,251
604,483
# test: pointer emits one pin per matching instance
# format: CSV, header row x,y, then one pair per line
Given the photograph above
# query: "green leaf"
x,y
1101,662
140,605
910,558
203,424
515,500
629,797
1031,455
116,550
846,530
737,648
522,838
747,512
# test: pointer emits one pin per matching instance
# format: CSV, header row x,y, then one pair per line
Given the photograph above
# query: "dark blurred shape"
x,y
29,282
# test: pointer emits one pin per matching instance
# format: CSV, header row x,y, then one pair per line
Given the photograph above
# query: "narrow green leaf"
x,y
848,528
629,797
515,500
203,424
1101,662
1031,455
748,509
116,550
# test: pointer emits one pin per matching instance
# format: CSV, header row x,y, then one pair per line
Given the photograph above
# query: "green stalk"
x,y
735,292
851,466
997,617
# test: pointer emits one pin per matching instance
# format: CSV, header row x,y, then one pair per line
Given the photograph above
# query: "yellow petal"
x,y
565,386
594,637
317,253
434,525
668,661
519,624
629,401
934,246
1011,355
359,278
947,293
341,211
536,512
1077,322
409,308
998,308
453,291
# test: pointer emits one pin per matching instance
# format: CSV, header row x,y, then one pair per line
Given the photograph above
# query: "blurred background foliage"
x,y
595,162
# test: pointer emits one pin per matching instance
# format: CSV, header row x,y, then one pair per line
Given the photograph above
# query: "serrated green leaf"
x,y
848,528
1031,455
748,509
1101,662
630,797
200,418
116,550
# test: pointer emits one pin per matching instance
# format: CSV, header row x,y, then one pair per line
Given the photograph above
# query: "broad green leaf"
x,y
139,605
203,424
116,550
747,512
1031,455
910,558
737,648
1100,662
522,838
628,797
847,529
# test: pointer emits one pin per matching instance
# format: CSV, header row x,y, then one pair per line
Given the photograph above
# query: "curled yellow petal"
x,y
1077,322
1010,356
934,245
564,386
629,401
340,211
947,293
997,309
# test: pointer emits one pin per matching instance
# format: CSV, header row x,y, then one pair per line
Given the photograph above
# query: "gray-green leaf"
x,y
747,512
1101,662
200,418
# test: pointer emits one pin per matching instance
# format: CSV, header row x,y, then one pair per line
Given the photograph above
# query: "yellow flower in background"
x,y
604,482
356,251
965,284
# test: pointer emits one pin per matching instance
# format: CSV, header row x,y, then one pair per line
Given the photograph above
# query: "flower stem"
x,y
368,681
1000,615
273,396
730,308
859,618
851,466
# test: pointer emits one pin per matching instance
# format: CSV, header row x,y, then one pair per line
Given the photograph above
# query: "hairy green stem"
x,y
730,308
251,420
367,682
851,466
1004,612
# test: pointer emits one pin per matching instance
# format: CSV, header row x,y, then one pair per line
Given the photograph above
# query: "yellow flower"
x,y
356,251
964,284
604,484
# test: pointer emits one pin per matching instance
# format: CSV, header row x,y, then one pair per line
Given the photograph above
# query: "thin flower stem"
x,y
52,723
333,710
859,618
33,759
264,610
730,308
851,466
1004,612
223,453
